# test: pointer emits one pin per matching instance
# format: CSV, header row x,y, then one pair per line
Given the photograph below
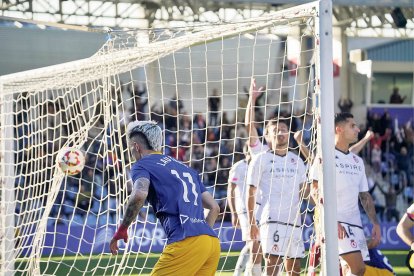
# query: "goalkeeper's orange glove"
x,y
410,260
121,233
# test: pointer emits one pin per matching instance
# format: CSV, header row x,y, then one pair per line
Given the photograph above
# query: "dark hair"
x,y
342,117
140,138
275,121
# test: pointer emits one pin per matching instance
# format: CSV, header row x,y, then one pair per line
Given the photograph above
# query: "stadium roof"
x,y
366,18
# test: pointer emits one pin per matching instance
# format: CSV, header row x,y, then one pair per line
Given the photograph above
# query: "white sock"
x,y
253,270
257,270
242,261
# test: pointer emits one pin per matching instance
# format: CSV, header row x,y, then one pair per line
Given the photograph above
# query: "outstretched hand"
x,y
253,91
121,234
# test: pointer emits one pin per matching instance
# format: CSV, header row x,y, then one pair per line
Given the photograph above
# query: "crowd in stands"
x,y
210,145
390,158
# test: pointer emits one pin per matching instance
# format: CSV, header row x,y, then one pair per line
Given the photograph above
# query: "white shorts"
x,y
282,240
244,226
354,241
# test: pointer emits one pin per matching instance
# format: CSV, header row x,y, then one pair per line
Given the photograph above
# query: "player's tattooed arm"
x,y
136,200
369,206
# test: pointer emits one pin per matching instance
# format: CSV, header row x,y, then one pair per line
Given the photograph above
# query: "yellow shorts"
x,y
373,271
192,256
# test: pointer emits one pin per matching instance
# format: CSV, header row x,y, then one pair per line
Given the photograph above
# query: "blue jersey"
x,y
378,260
175,194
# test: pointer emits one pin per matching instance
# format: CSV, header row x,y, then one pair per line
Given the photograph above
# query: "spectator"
x,y
345,104
214,106
395,97
391,202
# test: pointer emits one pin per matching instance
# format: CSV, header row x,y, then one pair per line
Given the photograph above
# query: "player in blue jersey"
x,y
177,196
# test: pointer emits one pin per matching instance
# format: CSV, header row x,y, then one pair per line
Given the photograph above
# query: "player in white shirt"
x,y
351,183
277,176
236,198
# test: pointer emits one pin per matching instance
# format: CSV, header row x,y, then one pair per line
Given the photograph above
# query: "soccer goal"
x,y
194,81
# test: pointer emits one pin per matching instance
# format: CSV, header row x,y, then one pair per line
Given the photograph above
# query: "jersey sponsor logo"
x,y
283,170
197,220
183,219
348,168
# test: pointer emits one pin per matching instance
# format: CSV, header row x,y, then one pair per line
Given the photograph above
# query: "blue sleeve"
x,y
138,172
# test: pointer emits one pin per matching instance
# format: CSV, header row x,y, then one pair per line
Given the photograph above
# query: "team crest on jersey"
x,y
292,160
353,244
355,158
275,248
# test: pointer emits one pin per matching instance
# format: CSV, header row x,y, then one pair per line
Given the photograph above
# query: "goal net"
x,y
194,81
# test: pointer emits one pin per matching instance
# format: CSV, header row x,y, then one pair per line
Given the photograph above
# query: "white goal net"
x,y
194,82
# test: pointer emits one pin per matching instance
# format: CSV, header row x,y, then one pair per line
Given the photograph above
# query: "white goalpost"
x,y
194,81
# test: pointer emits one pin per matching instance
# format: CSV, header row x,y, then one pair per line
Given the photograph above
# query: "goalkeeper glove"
x,y
410,260
121,233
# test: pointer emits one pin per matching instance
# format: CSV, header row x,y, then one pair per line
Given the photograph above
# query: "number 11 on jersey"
x,y
185,184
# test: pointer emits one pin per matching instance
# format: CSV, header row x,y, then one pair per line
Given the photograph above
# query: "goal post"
x,y
7,204
194,81
327,143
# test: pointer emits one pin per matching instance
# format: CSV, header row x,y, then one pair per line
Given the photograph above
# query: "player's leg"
x,y
245,252
353,249
254,266
273,264
314,259
242,260
274,246
293,266
355,263
295,252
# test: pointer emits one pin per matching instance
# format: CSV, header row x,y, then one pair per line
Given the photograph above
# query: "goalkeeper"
x,y
405,231
178,197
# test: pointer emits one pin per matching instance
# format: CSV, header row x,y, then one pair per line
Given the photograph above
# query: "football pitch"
x,y
104,264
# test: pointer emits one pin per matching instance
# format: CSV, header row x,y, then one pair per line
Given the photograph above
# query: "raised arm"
x,y
369,207
135,203
302,147
210,204
250,113
361,143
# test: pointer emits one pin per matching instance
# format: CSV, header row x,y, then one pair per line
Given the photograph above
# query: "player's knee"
x,y
358,270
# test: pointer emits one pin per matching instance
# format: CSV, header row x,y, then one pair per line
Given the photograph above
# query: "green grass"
x,y
106,264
